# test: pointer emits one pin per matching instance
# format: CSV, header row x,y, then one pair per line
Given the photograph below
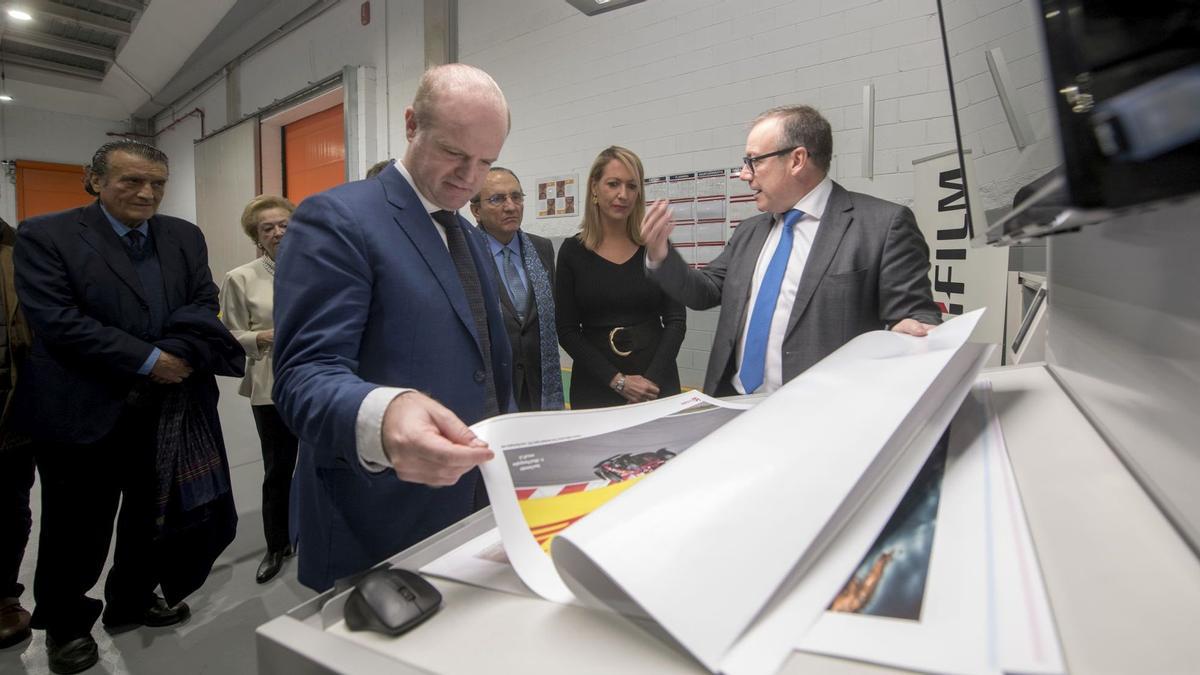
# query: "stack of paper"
x,y
728,534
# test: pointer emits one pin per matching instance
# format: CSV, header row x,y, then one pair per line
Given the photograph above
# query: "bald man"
x,y
390,339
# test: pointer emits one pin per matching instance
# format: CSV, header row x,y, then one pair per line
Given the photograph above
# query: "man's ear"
x,y
800,160
410,123
475,210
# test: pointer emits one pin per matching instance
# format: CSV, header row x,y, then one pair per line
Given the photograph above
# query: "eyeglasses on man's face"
x,y
498,199
749,162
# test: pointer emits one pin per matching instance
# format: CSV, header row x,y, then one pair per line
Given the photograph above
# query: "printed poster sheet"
x,y
741,199
754,502
552,469
557,196
701,210
759,502
951,584
964,277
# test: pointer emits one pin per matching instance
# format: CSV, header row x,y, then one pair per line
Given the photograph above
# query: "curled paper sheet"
x,y
750,502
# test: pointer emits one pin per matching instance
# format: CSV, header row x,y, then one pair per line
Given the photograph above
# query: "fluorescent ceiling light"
x,y
20,15
5,98
592,7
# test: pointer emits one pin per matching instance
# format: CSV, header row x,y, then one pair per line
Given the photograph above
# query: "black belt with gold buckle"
x,y
612,341
625,340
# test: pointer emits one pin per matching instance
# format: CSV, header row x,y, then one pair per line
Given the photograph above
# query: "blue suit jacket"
x,y
366,295
90,317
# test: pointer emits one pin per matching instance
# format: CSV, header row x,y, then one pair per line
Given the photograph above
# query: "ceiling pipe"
x,y
314,10
194,112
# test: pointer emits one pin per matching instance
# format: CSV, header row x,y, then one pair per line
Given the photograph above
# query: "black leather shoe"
x,y
14,623
160,615
72,656
157,615
271,563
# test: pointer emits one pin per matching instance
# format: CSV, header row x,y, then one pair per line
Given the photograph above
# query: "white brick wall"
x,y
677,82
974,28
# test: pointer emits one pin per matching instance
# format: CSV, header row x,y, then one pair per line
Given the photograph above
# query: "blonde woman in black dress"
x,y
621,330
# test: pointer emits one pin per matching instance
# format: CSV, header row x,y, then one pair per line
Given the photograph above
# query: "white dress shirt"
x,y
369,423
805,230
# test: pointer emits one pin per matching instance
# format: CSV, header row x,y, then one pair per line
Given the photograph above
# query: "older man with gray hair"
x,y
102,286
524,273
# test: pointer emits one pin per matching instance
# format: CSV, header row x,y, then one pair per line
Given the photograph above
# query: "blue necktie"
x,y
754,351
516,288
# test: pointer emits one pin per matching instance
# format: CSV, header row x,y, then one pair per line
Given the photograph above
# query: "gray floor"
x,y
219,638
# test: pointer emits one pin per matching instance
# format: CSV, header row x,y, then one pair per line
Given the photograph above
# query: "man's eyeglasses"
x,y
498,199
749,162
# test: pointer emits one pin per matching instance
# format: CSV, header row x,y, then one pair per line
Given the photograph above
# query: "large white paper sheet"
x,y
480,562
767,643
979,606
1028,641
983,609
552,468
753,505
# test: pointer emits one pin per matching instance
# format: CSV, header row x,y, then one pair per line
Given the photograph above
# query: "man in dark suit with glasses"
x,y
819,267
524,273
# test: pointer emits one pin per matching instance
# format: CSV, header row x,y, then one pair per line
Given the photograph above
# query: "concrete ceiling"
x,y
246,24
104,58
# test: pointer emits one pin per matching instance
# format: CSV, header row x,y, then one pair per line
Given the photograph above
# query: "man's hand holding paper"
x,y
427,443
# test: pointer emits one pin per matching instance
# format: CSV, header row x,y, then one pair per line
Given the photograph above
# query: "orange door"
x,y
43,187
314,152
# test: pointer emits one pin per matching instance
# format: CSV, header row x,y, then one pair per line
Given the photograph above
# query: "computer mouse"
x,y
390,602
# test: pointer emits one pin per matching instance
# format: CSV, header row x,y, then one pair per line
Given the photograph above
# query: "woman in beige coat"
x,y
247,299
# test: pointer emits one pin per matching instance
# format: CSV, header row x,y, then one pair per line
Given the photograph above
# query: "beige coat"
x,y
247,300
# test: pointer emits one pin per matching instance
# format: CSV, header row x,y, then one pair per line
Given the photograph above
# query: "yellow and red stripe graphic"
x,y
548,516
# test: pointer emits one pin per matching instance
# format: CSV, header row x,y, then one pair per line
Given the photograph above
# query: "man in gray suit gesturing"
x,y
820,266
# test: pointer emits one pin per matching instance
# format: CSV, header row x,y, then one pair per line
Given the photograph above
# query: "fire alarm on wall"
x,y
364,13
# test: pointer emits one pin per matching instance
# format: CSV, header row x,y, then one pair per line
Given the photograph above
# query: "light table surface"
x,y
1123,585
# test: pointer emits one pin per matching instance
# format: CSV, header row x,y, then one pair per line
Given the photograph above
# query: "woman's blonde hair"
x,y
258,205
591,231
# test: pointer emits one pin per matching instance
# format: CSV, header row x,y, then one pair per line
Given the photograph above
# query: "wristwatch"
x,y
620,385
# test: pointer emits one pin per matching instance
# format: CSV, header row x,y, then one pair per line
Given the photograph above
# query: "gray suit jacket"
x,y
524,336
868,269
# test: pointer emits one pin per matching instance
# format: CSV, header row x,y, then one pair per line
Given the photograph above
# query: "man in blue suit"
x,y
390,338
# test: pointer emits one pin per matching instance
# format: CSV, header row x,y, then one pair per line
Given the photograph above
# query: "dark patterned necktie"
x,y
135,242
456,241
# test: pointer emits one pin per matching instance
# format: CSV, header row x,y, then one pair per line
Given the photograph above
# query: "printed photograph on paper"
x,y
890,580
559,483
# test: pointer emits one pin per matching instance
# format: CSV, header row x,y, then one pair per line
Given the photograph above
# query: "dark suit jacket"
x,y
17,338
868,269
366,295
90,318
524,336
